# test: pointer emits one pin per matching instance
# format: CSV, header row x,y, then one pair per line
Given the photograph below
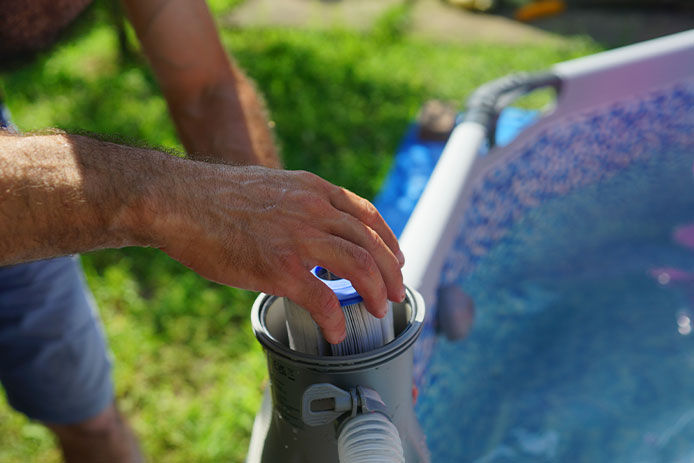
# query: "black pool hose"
x,y
485,103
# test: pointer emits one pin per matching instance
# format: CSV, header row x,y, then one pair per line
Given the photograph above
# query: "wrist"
x,y
152,199
164,212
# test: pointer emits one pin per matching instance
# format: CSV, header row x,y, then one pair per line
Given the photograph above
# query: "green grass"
x,y
189,373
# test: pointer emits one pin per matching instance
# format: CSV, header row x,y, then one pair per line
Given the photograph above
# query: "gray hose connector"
x,y
485,104
369,438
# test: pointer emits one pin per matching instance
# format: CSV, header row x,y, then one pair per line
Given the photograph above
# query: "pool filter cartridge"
x,y
364,331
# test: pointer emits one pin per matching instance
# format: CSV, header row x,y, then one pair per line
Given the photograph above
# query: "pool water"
x,y
582,348
579,255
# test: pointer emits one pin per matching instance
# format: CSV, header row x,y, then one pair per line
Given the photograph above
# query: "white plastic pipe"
x,y
430,231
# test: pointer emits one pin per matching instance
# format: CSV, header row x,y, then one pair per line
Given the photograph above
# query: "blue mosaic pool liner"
x,y
575,153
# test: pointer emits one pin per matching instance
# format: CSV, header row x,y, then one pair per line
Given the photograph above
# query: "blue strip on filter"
x,y
342,288
416,159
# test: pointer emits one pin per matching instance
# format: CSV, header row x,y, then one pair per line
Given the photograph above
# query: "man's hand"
x,y
250,227
264,229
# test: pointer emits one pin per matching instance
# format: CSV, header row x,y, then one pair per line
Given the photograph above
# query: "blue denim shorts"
x,y
54,364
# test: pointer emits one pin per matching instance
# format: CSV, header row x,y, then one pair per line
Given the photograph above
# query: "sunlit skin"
x,y
237,220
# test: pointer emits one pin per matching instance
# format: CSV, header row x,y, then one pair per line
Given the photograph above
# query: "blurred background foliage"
x,y
188,370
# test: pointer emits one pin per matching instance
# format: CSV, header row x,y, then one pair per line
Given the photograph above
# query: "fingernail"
x,y
384,311
401,257
403,294
339,338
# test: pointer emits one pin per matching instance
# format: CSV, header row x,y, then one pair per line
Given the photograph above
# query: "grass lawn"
x,y
188,370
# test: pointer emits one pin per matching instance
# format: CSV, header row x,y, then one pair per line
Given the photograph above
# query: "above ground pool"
x,y
576,242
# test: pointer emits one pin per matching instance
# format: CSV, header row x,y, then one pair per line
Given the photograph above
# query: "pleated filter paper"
x,y
364,331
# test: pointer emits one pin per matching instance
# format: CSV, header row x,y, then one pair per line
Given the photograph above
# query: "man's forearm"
x,y
61,194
